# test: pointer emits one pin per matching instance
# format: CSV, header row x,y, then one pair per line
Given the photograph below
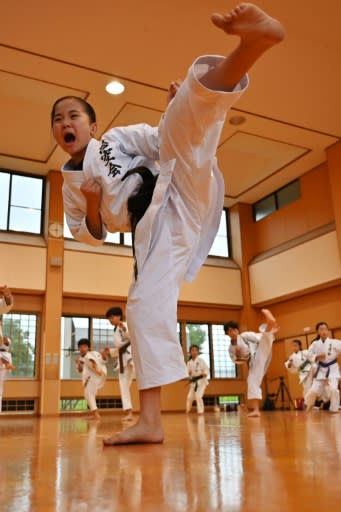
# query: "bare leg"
x,y
258,32
148,429
270,320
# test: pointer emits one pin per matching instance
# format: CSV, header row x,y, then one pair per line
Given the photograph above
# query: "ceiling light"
x,y
114,87
236,120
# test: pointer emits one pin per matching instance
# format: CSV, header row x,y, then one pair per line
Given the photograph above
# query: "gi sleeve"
x,y
76,221
137,140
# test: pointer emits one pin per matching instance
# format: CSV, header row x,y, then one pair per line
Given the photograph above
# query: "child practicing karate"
x,y
255,349
108,186
122,353
6,365
92,366
324,352
198,372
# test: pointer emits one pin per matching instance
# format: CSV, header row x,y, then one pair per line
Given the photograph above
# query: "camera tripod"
x,y
281,392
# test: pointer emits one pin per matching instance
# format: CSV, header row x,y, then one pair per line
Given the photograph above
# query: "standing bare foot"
x,y
250,23
139,433
254,414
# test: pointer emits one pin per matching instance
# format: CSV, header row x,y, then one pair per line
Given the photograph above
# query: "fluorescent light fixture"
x,y
114,87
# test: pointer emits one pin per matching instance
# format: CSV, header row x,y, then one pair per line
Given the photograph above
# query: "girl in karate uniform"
x,y
173,235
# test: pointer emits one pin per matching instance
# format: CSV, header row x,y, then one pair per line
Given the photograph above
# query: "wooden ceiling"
x,y
291,112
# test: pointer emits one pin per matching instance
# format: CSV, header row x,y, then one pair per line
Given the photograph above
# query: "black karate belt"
x,y
304,364
195,380
322,364
122,350
138,204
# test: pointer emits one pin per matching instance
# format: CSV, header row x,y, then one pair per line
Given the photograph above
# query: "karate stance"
x,y
172,237
122,353
299,363
255,349
324,352
6,304
6,365
198,372
92,366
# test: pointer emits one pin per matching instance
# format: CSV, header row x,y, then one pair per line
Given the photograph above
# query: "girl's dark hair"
x,y
318,325
231,325
193,346
116,311
299,343
87,107
83,341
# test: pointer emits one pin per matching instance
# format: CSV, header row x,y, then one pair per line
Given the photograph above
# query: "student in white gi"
x,y
324,352
174,234
92,366
255,349
6,365
299,363
6,304
122,352
198,372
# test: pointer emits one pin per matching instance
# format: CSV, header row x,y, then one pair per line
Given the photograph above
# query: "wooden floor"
x,y
284,461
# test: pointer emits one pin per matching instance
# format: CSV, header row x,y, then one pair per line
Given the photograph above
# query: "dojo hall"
x,y
278,247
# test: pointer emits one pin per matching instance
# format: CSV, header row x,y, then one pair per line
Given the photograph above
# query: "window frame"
x,y
43,201
275,196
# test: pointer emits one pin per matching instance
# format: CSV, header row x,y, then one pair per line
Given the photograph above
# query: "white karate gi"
x,y
7,357
327,372
92,382
4,308
256,349
126,377
195,368
295,362
173,238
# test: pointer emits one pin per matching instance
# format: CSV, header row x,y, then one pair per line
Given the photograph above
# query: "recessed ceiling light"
x,y
114,87
236,120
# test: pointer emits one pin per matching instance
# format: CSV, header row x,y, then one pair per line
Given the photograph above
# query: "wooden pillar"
x,y
334,171
52,310
243,250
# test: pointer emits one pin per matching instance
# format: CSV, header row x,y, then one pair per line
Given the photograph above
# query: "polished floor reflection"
x,y
283,461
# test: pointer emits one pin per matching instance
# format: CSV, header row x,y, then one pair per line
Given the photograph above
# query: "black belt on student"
x,y
322,364
138,204
121,351
195,380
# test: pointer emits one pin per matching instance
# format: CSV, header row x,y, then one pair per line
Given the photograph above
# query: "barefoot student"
x,y
121,351
92,366
256,350
109,186
198,373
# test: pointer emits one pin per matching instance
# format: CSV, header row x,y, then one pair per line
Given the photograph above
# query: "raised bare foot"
x,y
270,319
137,434
250,23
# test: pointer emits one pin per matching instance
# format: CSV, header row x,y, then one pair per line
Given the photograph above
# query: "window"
x,y
264,207
220,245
277,200
224,367
213,345
72,330
97,330
22,329
21,200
